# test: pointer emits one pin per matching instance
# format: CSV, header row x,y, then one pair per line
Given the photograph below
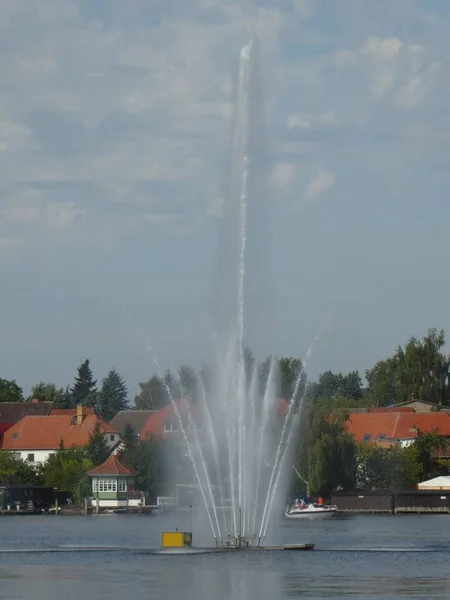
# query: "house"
x,y
419,406
164,423
87,410
12,412
112,486
35,437
435,484
396,428
135,418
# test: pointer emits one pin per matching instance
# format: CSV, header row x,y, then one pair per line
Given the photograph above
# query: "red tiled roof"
x,y
111,466
46,432
72,411
154,425
396,425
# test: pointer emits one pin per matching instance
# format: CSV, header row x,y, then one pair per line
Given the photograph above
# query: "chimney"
x,y
80,414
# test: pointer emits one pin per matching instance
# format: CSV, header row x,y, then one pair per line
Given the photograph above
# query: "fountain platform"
x,y
179,541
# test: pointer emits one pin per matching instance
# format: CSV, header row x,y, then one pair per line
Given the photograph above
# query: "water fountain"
x,y
238,460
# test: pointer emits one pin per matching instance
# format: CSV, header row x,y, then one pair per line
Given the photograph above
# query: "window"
x,y
30,458
107,485
15,436
170,426
111,437
366,437
94,484
382,436
122,485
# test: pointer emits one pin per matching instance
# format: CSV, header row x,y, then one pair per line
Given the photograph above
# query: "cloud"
x,y
319,184
311,121
283,174
402,73
134,104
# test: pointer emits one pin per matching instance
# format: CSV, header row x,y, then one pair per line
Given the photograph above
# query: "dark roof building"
x,y
12,412
135,418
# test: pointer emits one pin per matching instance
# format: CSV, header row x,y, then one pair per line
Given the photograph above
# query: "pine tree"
x,y
97,448
113,396
129,438
84,391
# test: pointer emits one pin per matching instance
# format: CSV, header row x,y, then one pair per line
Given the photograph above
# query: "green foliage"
x,y
153,395
419,370
187,380
97,449
66,470
390,469
48,392
426,449
15,471
159,464
331,451
331,385
130,438
10,391
84,391
292,379
113,396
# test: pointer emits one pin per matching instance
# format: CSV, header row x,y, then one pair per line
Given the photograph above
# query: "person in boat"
x,y
320,501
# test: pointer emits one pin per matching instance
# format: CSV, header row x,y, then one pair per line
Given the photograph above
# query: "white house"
x,y
35,438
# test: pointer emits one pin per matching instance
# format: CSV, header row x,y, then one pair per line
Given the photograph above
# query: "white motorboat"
x,y
311,511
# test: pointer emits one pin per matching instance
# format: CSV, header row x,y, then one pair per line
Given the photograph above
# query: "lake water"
x,y
383,557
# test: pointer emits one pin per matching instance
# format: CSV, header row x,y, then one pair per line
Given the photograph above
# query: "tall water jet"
x,y
242,434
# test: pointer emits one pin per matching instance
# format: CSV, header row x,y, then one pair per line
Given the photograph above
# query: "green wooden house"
x,y
113,486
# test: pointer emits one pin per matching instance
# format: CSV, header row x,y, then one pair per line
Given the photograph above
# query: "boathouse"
x,y
112,486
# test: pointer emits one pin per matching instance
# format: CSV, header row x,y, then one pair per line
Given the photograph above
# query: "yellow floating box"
x,y
176,539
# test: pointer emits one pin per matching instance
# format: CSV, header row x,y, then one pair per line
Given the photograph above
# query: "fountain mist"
x,y
239,455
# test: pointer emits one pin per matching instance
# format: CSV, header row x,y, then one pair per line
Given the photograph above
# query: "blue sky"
x,y
114,130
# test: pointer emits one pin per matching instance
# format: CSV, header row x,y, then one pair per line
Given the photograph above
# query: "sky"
x,y
115,123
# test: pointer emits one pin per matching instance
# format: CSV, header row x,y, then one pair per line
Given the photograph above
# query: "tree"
x,y
326,453
426,449
129,438
15,471
10,391
153,395
264,369
249,364
330,385
187,382
145,459
84,391
331,451
66,470
388,469
292,378
113,396
382,382
97,449
419,370
48,392
172,386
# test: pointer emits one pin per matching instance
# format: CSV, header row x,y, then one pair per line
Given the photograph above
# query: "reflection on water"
x,y
418,569
342,586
